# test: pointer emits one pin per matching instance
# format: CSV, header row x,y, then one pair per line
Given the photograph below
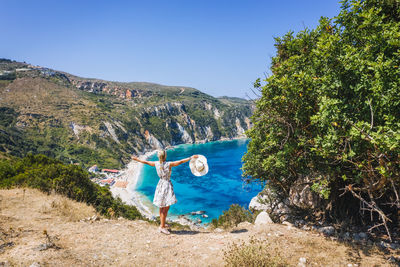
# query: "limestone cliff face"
x,y
169,124
166,122
99,87
93,121
182,125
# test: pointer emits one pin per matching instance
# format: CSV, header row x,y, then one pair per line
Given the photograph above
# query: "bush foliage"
x,y
48,175
330,110
232,217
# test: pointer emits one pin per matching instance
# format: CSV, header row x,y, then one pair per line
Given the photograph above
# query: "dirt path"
x,y
25,216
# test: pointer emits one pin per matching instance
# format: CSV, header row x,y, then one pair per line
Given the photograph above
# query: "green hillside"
x,y
93,121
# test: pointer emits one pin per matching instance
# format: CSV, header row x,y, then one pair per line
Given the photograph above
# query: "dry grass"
x,y
68,209
253,254
275,246
45,98
25,215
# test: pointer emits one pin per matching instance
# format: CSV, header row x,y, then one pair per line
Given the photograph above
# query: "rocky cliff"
x,y
95,121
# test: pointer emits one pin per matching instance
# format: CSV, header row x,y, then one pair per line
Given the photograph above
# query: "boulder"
x,y
360,237
258,203
327,230
280,208
268,201
363,235
384,244
301,195
263,218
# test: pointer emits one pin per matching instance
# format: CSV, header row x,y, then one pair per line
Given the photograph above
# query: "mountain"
x,y
92,121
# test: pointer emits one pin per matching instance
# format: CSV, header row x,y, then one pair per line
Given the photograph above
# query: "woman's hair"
x,y
162,155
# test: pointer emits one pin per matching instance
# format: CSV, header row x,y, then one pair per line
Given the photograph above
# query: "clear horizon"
x,y
218,47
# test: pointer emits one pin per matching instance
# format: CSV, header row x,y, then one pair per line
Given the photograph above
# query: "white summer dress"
x,y
164,195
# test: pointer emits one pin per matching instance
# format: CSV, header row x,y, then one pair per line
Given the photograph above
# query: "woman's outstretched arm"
x,y
179,162
151,163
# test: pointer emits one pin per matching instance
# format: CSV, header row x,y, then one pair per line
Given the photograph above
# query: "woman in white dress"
x,y
164,196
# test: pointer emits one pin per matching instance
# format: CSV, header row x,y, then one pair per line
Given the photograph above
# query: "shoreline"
x,y
131,197
128,194
131,174
220,140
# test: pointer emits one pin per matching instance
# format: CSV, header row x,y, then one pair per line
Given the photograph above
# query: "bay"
x,y
213,192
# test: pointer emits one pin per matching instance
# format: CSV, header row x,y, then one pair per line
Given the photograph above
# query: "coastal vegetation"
x,y
329,115
232,217
51,175
92,121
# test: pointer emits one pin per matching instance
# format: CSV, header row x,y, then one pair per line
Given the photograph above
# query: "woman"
x,y
164,196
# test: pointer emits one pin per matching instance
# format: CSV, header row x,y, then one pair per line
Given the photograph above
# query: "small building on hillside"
x,y
110,171
109,182
93,169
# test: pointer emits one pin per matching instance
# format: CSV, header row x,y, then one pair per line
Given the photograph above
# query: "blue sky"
x,y
217,46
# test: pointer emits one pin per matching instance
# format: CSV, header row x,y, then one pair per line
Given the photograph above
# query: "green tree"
x,y
330,110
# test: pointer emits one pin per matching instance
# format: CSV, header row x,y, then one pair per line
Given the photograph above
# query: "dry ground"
x,y
26,214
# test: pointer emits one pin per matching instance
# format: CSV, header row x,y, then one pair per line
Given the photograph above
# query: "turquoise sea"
x,y
213,192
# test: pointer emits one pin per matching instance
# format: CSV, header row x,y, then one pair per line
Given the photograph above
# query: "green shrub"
x,y
47,175
232,217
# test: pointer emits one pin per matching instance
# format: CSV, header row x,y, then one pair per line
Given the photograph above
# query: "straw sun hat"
x,y
199,166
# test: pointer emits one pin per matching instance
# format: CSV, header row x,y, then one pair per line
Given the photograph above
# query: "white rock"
x,y
302,262
255,204
111,131
287,223
184,134
240,130
263,218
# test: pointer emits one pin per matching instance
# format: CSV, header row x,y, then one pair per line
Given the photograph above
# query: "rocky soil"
x,y
50,230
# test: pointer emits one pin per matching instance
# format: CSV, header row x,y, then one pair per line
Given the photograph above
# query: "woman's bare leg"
x,y
166,209
165,214
162,218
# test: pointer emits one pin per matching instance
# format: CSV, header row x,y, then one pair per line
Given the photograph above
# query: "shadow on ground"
x,y
187,232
